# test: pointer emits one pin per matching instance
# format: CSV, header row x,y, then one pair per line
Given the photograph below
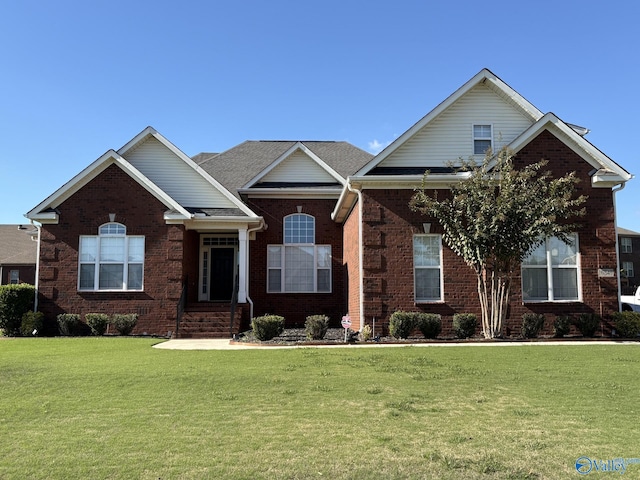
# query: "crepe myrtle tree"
x,y
496,216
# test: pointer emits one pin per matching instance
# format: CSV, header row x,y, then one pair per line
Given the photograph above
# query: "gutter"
x,y
37,279
261,226
615,216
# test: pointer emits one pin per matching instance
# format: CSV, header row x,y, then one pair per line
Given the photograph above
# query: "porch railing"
x,y
234,303
181,305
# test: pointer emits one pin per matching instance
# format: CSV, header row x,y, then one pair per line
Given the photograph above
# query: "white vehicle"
x,y
631,302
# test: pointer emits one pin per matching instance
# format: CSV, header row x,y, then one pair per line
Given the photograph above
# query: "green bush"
x,y
97,322
430,324
267,326
627,324
316,326
587,324
532,323
124,323
69,324
401,324
15,301
464,324
561,326
32,323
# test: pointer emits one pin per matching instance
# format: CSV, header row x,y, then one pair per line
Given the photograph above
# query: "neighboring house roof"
x,y
261,164
627,233
17,246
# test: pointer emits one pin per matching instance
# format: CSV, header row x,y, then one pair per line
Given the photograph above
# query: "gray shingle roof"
x,y
239,165
16,245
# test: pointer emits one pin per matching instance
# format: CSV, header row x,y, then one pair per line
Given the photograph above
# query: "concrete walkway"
x,y
225,344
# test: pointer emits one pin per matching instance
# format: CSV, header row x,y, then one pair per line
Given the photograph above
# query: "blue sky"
x,y
78,78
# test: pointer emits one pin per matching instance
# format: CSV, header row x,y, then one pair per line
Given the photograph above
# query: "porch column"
x,y
242,265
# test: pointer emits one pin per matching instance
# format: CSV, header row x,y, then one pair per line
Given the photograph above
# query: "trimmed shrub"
x,y
124,323
97,322
267,326
627,324
464,324
532,323
401,324
69,324
561,326
15,301
430,324
32,323
316,326
587,324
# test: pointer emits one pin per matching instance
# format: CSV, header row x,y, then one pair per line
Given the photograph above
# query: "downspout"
x,y
615,216
37,280
261,225
358,192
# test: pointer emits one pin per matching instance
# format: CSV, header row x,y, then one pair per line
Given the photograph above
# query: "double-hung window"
x,y
14,277
626,245
427,268
299,265
111,260
551,272
482,139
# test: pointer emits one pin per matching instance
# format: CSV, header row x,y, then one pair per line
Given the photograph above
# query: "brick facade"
x,y
113,191
296,307
389,225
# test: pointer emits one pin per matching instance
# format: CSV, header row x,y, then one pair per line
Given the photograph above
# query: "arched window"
x,y
299,265
111,260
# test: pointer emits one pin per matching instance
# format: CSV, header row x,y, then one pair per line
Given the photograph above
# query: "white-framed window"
x,y
551,272
626,244
628,269
14,277
111,260
427,268
482,139
299,265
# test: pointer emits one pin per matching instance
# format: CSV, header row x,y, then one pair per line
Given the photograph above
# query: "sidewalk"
x,y
226,344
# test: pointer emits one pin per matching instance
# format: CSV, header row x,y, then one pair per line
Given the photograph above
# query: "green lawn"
x,y
98,408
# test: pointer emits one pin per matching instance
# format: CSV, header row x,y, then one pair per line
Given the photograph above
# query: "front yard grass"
x,y
114,408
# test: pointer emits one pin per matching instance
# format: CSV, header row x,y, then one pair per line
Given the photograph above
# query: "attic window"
x,y
482,139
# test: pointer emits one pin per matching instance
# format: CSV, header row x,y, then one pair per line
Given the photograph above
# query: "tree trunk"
x,y
493,291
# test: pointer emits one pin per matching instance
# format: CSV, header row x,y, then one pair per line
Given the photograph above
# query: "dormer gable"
x,y
297,167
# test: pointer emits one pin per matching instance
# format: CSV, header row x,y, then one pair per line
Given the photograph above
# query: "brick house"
x,y
629,257
299,228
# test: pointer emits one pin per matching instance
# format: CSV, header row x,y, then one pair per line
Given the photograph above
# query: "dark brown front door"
x,y
222,269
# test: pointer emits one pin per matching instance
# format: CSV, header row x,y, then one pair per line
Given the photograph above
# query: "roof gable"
x,y
45,211
163,170
297,166
246,164
177,174
608,173
445,133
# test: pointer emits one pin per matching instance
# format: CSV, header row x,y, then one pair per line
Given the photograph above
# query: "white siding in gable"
x,y
175,177
298,167
450,135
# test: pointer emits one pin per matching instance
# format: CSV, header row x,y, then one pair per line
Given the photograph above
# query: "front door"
x,y
222,270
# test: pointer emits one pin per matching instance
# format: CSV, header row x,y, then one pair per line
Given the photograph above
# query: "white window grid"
x,y
482,138
427,266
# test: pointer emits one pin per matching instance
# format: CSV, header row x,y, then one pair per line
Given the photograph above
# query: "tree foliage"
x,y
496,216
